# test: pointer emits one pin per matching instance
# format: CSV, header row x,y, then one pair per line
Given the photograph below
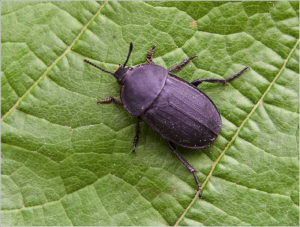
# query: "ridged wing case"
x,y
183,115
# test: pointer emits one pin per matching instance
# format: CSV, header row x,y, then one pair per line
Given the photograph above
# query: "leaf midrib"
x,y
237,133
20,99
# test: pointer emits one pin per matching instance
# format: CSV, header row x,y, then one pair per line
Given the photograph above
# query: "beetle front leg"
x,y
187,165
224,82
137,133
149,55
109,100
183,63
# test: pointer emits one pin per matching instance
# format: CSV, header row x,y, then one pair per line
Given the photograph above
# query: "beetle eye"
x,y
116,69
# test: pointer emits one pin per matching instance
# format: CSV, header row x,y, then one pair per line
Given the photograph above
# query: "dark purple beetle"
x,y
171,106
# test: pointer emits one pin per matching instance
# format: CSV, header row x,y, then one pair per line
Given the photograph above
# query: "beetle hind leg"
x,y
137,134
187,165
224,82
149,55
183,63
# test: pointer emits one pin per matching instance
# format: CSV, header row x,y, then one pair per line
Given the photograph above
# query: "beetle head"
x,y
120,72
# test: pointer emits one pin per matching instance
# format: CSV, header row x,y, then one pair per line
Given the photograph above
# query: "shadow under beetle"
x,y
171,106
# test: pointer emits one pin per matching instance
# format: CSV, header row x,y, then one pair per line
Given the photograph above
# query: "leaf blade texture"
x,y
66,160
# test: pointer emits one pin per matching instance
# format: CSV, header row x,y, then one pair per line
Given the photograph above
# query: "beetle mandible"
x,y
171,106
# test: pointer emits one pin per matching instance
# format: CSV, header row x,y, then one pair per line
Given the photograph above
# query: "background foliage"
x,y
67,161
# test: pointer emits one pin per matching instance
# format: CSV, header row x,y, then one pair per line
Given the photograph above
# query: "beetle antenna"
x,y
129,52
98,67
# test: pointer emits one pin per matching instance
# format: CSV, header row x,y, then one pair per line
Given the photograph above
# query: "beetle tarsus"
x,y
187,165
183,63
224,82
137,133
149,55
236,75
198,184
200,193
109,100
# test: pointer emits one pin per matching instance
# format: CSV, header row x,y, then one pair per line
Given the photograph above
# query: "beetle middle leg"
x,y
224,82
186,164
109,100
183,63
149,55
137,133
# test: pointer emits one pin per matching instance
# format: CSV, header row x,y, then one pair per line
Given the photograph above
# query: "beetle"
x,y
174,108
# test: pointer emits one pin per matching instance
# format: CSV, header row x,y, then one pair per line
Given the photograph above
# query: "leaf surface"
x,y
67,161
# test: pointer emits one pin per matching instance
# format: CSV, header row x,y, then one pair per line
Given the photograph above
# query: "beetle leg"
x,y
109,100
224,82
187,165
137,133
183,63
149,55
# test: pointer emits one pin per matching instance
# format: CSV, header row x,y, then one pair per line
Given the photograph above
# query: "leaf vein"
x,y
228,213
238,130
52,65
258,190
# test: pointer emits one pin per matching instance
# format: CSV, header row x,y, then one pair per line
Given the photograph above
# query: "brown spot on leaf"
x,y
194,24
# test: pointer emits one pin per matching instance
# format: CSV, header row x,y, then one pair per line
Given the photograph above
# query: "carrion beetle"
x,y
171,106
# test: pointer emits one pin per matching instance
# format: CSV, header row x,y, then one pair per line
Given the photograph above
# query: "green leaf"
x,y
67,160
